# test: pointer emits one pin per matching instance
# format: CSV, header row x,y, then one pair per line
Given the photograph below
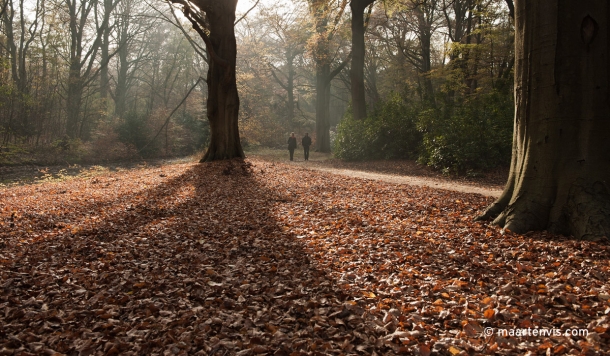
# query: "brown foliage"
x,y
262,258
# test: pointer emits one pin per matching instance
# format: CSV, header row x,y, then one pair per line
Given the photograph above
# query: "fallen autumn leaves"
x,y
263,258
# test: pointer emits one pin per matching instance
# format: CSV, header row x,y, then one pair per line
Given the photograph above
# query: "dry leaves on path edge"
x,y
266,258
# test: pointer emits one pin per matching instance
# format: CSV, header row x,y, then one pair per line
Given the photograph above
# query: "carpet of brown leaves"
x,y
267,258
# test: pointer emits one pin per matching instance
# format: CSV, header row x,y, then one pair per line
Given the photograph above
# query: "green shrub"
x,y
467,133
474,134
389,132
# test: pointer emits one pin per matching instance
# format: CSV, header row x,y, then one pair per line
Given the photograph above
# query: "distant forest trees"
x,y
96,79
438,79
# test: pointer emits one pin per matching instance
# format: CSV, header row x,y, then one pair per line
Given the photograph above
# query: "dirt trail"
x,y
407,174
411,180
393,171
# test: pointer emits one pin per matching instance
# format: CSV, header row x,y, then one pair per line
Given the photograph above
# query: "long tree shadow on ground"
x,y
238,259
199,265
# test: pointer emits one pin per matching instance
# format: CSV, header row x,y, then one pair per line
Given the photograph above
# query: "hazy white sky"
x,y
245,5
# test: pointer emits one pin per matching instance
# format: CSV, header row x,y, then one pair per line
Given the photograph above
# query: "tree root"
x,y
585,214
495,211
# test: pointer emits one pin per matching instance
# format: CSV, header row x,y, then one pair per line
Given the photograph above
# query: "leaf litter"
x,y
256,257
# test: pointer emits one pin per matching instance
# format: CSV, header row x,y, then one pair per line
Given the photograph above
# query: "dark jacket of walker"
x,y
306,141
292,143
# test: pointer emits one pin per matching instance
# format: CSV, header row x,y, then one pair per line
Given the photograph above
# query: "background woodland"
x,y
84,80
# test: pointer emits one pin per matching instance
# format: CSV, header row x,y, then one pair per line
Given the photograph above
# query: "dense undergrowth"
x,y
132,138
461,135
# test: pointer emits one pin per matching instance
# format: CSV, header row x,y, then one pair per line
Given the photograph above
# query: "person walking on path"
x,y
292,144
306,142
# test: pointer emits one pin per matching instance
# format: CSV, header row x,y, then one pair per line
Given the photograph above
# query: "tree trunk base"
x,y
217,155
584,212
588,211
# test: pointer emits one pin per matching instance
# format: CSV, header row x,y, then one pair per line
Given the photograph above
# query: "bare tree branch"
x,y
197,22
247,12
340,67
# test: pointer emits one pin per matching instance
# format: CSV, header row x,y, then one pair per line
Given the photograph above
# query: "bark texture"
x,y
560,170
215,24
223,99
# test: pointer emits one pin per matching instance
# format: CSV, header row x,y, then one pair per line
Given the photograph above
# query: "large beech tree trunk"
x,y
560,171
223,99
215,24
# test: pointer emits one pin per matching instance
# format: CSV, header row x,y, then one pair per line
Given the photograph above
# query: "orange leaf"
x,y
454,350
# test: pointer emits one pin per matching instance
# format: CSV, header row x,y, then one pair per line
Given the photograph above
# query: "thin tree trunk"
x,y
358,52
322,107
105,52
120,106
426,51
290,86
74,99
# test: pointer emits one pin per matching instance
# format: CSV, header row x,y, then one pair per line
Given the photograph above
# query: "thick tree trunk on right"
x,y
560,170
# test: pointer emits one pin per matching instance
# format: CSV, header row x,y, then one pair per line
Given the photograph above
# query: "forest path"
x,y
413,180
408,172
